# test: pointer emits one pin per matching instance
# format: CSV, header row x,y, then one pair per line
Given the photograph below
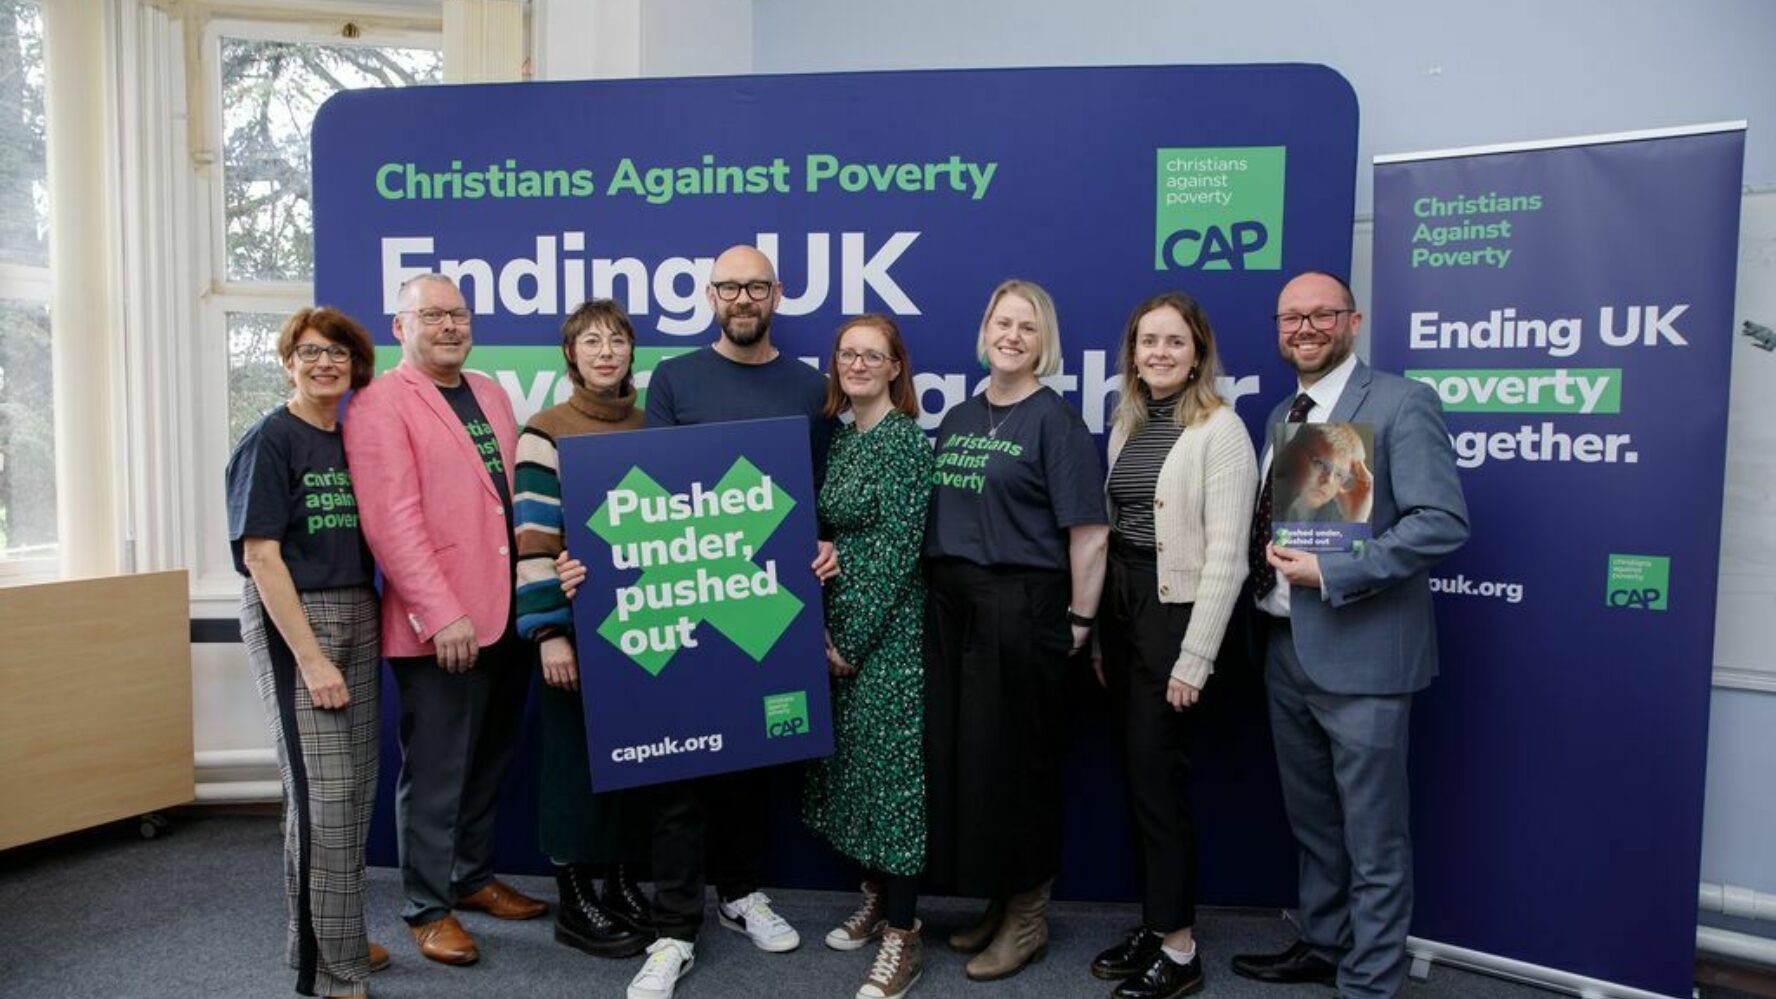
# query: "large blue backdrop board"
x,y
1573,307
911,193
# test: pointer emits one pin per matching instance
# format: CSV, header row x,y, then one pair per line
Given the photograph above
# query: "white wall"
x,y
1428,75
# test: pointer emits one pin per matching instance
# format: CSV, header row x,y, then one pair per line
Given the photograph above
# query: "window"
x,y
270,92
270,87
27,423
264,80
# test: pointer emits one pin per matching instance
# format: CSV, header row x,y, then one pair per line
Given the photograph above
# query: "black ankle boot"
x,y
623,899
581,922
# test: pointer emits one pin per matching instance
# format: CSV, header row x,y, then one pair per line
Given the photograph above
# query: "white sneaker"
x,y
752,916
668,961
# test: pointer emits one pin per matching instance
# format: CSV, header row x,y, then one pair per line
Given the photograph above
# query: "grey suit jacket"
x,y
1370,630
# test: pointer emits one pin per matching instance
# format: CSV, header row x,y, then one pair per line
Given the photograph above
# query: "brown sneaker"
x,y
446,942
379,957
900,958
861,926
502,902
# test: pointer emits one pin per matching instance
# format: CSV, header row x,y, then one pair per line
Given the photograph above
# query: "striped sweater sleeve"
x,y
543,610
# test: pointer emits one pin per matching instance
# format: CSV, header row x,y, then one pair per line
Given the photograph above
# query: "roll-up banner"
x,y
910,193
1571,302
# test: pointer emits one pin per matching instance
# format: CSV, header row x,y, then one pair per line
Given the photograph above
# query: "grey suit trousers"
x,y
1342,759
458,734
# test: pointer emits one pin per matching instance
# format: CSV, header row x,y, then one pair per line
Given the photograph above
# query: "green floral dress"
x,y
868,798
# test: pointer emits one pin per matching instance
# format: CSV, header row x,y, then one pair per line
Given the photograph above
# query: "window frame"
x,y
213,579
33,284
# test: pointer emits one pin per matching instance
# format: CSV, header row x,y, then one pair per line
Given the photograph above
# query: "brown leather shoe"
x,y
446,942
502,902
379,957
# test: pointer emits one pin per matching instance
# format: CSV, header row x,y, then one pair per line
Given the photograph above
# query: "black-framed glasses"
x,y
870,358
435,317
308,353
1321,320
728,291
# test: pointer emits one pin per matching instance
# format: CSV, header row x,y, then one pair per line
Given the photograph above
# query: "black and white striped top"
x,y
1136,472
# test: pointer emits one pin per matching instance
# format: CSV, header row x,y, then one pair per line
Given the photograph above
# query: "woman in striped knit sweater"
x,y
585,835
1180,490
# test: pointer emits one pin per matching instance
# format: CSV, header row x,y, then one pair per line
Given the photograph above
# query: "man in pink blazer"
x,y
431,448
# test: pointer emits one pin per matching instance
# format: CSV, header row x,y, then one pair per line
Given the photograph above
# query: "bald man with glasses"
x,y
713,829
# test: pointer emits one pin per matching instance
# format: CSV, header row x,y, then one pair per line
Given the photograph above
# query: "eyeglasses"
x,y
1322,320
597,344
435,317
870,358
308,353
728,291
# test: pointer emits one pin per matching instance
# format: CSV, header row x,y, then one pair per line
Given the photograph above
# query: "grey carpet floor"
x,y
199,913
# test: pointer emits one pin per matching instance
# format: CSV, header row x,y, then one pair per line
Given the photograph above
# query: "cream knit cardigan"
x,y
1202,516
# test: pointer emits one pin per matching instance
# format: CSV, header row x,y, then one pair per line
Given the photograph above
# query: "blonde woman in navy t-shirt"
x,y
1015,546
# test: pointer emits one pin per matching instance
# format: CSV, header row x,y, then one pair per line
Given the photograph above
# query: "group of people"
x,y
964,580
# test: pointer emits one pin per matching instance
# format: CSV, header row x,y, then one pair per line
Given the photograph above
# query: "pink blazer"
x,y
428,508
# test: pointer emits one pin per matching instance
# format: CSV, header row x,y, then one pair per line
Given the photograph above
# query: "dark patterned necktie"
x,y
1264,575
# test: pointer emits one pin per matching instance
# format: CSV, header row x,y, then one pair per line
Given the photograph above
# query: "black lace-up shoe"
x,y
1130,957
1163,978
582,923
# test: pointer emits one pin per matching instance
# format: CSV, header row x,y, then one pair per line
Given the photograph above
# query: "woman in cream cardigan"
x,y
1180,489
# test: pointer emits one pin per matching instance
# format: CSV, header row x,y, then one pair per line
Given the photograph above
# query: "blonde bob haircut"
x,y
1048,324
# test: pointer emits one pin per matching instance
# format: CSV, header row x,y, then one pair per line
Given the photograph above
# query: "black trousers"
x,y
996,726
458,734
1140,637
707,830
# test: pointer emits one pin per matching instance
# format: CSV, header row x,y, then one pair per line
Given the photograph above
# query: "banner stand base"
x,y
1426,952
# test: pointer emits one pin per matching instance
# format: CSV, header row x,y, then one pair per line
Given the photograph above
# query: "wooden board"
x,y
95,703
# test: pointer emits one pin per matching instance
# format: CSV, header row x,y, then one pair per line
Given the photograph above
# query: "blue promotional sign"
x,y
699,625
1572,305
911,193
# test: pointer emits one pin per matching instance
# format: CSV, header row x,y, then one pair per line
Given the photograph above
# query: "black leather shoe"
x,y
1297,964
623,899
1163,978
582,923
1130,957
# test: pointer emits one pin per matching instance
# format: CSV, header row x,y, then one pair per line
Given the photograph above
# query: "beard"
x,y
745,338
1331,356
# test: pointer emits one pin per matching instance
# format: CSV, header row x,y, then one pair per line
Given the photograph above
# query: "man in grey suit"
x,y
1350,638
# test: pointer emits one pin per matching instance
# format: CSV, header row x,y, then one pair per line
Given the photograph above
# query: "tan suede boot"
x,y
1022,937
974,938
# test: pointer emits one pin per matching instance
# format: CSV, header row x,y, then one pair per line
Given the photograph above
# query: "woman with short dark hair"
x,y
587,836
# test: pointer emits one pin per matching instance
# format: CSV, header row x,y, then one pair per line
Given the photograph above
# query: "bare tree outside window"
x,y
27,428
270,93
